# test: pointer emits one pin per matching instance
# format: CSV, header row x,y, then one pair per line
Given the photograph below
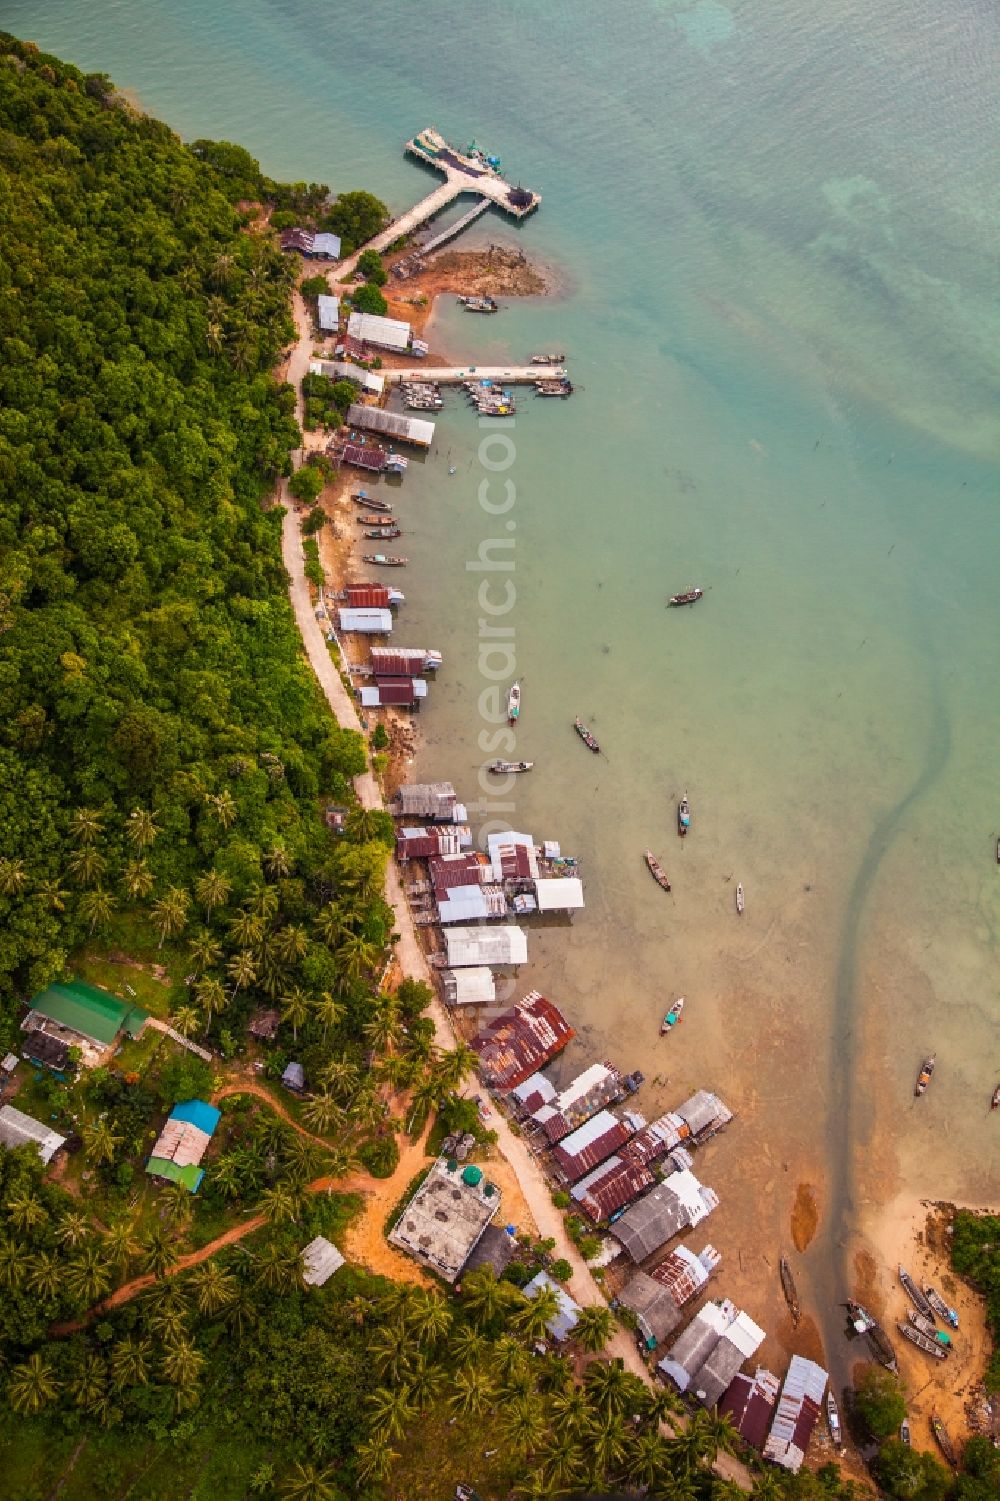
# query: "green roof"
x,y
190,1177
91,1012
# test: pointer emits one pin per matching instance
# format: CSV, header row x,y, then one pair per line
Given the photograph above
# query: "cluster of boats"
x,y
926,1073
422,396
920,1327
683,826
490,400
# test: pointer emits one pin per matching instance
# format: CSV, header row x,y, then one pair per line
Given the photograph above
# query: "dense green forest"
x,y
975,1252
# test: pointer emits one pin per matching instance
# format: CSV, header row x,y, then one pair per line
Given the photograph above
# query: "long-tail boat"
x,y
547,359
673,1016
683,816
656,871
389,520
916,1297
378,533
940,1307
361,499
866,1323
741,900
688,597
586,736
833,1418
922,1341
924,1076
384,560
514,703
789,1290
943,1438
508,768
928,1327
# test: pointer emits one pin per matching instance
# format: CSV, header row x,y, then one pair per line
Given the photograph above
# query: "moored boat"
x,y
866,1323
995,1099
683,816
789,1289
922,1341
656,870
939,1306
378,533
924,1076
361,499
673,1016
740,899
387,520
633,1081
916,1297
514,703
509,768
384,560
688,597
547,359
479,304
928,1327
586,736
943,1438
833,1418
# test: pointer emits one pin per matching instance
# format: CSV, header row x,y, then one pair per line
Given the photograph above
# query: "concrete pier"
x,y
454,375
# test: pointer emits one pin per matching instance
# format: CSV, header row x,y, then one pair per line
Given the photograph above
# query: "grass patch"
x,y
33,1455
396,1212
438,1455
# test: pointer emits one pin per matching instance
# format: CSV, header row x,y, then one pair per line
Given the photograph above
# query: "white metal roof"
x,y
320,1259
559,893
370,622
325,243
590,1131
463,904
747,1336
328,311
504,944
536,1084
474,986
16,1129
578,1087
565,1320
390,333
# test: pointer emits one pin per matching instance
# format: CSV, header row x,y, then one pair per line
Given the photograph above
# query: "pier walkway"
x,y
456,229
454,375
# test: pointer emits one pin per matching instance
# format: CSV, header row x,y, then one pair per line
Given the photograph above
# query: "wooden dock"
x,y
454,375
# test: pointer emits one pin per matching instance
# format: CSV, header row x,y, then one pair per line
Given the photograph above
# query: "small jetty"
x,y
789,1290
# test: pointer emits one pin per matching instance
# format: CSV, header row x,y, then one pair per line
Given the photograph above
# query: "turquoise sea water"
x,y
776,227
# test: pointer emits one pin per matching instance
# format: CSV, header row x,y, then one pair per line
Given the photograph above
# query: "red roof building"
x,y
750,1402
391,661
467,869
582,1151
368,597
421,843
610,1187
521,1041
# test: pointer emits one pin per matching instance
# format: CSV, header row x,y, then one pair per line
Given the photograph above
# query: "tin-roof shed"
x,y
750,1402
328,313
416,430
590,1144
564,1322
742,1339
797,1413
504,944
559,893
366,622
474,986
602,1193
672,1206
521,1040
704,1114
372,328
536,1091
320,1259
655,1310
596,1087
693,1346
18,1129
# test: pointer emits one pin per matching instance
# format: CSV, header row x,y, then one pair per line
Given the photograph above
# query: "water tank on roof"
x,y
452,1165
472,1175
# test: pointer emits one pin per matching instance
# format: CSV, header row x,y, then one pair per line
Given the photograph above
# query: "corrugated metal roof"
x,y
559,893
367,596
613,1185
471,903
536,1088
796,1414
653,1306
693,1346
521,1040
371,328
596,1087
590,1144
505,944
368,622
320,1259
749,1402
328,312
18,1129
474,986
562,1326
88,1010
704,1113
326,244
394,424
465,869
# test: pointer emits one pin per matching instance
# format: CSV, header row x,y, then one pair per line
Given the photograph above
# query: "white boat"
x,y
740,900
672,1017
514,703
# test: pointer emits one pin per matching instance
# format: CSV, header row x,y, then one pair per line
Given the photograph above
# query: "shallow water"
x,y
778,227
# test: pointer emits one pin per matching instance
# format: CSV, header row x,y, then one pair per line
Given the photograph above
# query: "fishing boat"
x,y
683,816
922,1341
514,703
380,520
563,386
904,1433
689,597
384,560
998,849
382,533
866,1323
995,1099
656,871
939,1306
479,304
673,1016
509,768
833,1418
789,1290
928,1327
587,738
547,359
916,1297
943,1438
741,900
361,499
924,1076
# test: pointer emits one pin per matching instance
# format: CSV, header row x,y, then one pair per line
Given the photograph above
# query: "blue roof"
x,y
197,1113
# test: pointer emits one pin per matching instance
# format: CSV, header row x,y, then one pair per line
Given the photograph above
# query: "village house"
x,y
561,1326
706,1357
396,425
474,986
657,1298
581,1151
521,1040
83,1016
596,1087
435,801
749,1403
603,1193
677,1203
320,1259
19,1130
704,1114
368,380
384,333
446,1217
797,1413
421,843
504,944
328,313
182,1143
537,1090
312,244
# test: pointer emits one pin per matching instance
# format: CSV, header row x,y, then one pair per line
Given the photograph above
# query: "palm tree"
x,y
467,1347
44,1275
137,879
215,337
322,1113
534,1318
32,1385
593,1329
291,943
186,1021
100,1142
562,1461
474,1392
328,1011
221,273
242,1314
12,876
170,913
73,1228
222,806
374,1462
339,1077
523,1425
141,828
571,1410
306,1483
182,1363
388,1351
212,890
357,957
175,1203
242,970
718,1431
426,1095
606,1446
53,895
295,1009
96,907
691,1445
87,1276
659,1405
301,1158
263,901
86,865
334,924
425,1381
119,1242
766,1486
87,825
607,1385
276,861
277,1269
280,1203
88,1381
385,1028
13,1263
451,1067
646,1460
484,1295
204,951
391,1409
367,1111
211,996
130,1363
24,1211
158,1255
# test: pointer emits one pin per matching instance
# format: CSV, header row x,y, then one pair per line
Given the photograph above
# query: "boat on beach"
x,y
943,1438
514,703
384,560
380,533
683,816
656,870
587,738
789,1289
688,597
361,499
866,1323
928,1327
924,1076
508,768
741,900
922,1341
916,1297
673,1016
939,1306
833,1418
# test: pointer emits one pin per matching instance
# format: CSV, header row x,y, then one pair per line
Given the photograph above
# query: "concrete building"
x,y
19,1130
443,1222
797,1413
